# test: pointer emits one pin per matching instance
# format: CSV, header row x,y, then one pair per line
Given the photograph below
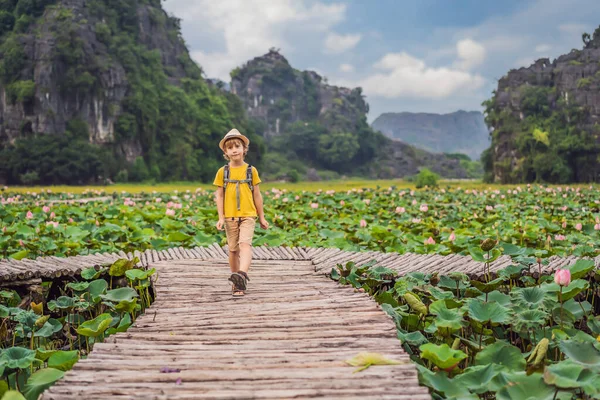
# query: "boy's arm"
x,y
219,199
258,202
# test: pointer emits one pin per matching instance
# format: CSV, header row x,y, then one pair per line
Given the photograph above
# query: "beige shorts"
x,y
239,230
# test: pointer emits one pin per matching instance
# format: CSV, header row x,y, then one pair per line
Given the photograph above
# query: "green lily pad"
x,y
489,286
63,360
568,374
139,274
40,381
12,395
583,353
91,273
523,387
503,354
120,294
96,326
449,319
17,358
568,292
487,312
442,356
580,268
477,378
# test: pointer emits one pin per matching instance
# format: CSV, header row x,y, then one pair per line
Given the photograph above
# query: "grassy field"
x,y
338,185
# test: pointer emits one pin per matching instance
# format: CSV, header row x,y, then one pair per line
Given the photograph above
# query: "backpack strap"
x,y
249,177
237,182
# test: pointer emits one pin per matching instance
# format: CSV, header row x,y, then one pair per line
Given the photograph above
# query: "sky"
x,y
435,56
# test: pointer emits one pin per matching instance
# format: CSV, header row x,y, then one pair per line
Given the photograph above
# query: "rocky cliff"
x,y
324,126
545,118
109,73
457,132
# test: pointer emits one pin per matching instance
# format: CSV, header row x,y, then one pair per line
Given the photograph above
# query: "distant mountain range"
x,y
458,132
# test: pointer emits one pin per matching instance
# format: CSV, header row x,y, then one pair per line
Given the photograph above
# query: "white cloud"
x,y
573,28
470,53
248,28
543,48
335,44
406,76
346,68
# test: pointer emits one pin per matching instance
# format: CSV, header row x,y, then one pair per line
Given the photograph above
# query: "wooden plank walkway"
x,y
287,338
323,259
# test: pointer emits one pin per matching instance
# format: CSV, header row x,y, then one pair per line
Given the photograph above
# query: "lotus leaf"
x,y
119,267
91,273
17,358
124,324
97,288
487,287
62,303
529,319
43,355
496,297
523,387
13,395
487,312
440,382
78,286
502,354
478,378
567,374
40,381
449,319
562,316
19,255
414,338
126,306
63,360
49,328
532,297
583,353
139,274
580,268
577,308
442,356
96,326
120,294
568,292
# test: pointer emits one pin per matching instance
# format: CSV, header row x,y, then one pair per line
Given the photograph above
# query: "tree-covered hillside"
x,y
105,89
544,120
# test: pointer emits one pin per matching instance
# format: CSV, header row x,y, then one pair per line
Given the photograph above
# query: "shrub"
x,y
426,177
122,176
30,178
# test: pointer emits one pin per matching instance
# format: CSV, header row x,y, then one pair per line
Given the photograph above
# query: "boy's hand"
x,y
220,224
263,223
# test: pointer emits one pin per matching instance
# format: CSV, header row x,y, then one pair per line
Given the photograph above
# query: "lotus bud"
x,y
562,277
456,344
539,353
488,244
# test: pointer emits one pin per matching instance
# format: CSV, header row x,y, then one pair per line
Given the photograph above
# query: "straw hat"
x,y
232,134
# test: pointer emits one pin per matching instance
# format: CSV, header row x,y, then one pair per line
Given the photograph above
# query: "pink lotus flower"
x,y
177,205
400,210
414,202
158,200
285,199
170,212
559,237
564,224
21,243
597,227
578,226
45,209
489,208
29,215
314,205
97,223
429,241
562,277
424,208
52,215
416,220
297,197
367,201
342,203
53,223
363,223
452,237
70,219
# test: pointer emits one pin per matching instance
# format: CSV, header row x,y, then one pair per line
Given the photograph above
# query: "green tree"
x,y
337,149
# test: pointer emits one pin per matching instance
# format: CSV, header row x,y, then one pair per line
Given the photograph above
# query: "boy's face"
x,y
234,150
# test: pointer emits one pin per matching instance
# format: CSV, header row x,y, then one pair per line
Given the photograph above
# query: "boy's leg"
x,y
232,230
245,243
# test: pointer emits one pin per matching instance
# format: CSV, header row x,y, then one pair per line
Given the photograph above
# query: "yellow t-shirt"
x,y
247,207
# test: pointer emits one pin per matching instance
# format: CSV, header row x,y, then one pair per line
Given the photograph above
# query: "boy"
x,y
238,203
